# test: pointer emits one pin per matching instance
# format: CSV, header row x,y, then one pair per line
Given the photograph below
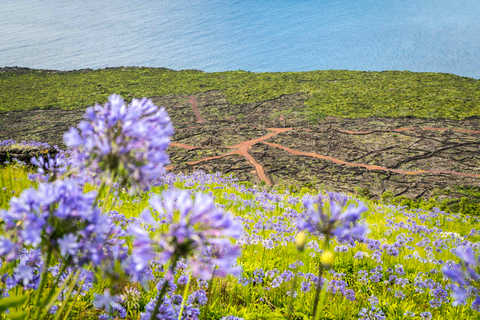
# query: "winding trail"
x,y
195,110
184,146
366,166
242,149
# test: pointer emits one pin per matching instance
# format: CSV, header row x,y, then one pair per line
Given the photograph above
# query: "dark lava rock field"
x,y
263,141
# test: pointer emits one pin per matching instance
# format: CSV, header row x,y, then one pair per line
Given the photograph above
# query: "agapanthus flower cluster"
x,y
465,274
125,141
50,168
59,217
342,225
197,230
171,307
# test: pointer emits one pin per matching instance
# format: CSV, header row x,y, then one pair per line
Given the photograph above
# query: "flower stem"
x,y
294,287
42,282
54,286
185,293
210,293
109,190
317,291
164,289
319,280
67,298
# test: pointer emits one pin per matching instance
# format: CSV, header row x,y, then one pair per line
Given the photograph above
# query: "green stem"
x,y
263,256
54,285
319,281
210,292
51,299
67,298
294,286
99,193
74,299
109,191
164,289
318,290
42,282
185,293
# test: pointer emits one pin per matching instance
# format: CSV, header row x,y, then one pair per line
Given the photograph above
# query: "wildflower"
x,y
426,315
59,217
410,314
342,225
371,313
373,300
198,297
350,294
201,234
399,294
109,303
49,169
124,141
463,275
360,255
305,286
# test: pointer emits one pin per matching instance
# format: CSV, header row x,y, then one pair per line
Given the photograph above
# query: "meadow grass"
x,y
270,271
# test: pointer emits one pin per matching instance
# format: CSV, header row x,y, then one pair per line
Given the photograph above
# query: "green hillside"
x,y
350,94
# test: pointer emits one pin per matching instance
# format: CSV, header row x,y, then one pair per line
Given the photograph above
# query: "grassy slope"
x,y
264,301
331,93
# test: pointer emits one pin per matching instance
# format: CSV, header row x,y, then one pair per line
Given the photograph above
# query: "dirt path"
x,y
195,110
241,149
367,166
184,146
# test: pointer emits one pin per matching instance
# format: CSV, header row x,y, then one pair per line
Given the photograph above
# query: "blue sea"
x,y
259,35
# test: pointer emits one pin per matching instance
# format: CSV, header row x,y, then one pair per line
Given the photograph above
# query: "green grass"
x,y
261,301
331,93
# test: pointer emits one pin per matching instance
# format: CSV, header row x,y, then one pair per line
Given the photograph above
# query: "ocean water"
x,y
259,35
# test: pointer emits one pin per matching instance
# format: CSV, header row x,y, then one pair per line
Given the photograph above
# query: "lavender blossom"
x,y
49,169
465,275
202,234
342,225
126,141
59,217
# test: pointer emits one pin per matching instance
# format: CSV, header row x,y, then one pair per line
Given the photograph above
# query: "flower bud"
x,y
326,259
300,241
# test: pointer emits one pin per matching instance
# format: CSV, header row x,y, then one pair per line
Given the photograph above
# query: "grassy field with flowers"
x,y
101,231
393,270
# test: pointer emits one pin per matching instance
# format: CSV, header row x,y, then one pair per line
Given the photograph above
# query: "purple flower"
x,y
198,297
464,275
426,315
371,313
200,232
24,274
49,169
60,216
68,244
305,286
129,142
359,255
342,225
